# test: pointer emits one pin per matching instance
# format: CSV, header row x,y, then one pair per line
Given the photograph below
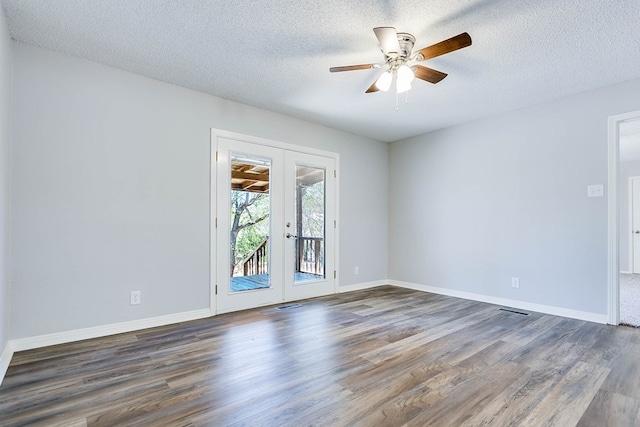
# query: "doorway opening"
x,y
629,225
620,223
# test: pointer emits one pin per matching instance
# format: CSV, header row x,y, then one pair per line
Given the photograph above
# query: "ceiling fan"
x,y
402,63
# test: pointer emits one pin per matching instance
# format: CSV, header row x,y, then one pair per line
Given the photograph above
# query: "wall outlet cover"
x,y
136,297
596,190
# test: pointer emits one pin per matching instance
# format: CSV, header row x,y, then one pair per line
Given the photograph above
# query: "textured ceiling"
x,y
276,54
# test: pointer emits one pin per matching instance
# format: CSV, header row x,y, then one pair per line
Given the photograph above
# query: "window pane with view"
x,y
250,224
310,222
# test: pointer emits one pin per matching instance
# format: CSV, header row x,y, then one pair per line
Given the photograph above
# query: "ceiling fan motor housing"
x,y
406,42
395,60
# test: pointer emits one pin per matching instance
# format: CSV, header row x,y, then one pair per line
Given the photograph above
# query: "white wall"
x,y
627,170
110,191
476,204
5,103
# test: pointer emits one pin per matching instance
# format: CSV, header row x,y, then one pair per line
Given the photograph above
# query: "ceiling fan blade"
x,y
428,74
388,39
372,88
352,67
446,46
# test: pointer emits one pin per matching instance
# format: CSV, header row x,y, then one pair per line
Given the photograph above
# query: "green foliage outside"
x,y
313,210
249,225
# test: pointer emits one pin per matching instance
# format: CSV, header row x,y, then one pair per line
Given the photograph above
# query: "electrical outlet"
x,y
136,297
596,190
356,270
515,282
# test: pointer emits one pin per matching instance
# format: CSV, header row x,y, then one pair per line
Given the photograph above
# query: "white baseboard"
x,y
625,272
5,359
102,331
118,328
523,305
361,286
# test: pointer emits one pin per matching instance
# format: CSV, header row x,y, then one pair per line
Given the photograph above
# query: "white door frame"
x,y
613,262
219,133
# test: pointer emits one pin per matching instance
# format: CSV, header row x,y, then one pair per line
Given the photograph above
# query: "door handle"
x,y
637,231
289,236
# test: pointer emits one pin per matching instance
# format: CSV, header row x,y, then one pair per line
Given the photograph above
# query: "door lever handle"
x,y
637,231
289,236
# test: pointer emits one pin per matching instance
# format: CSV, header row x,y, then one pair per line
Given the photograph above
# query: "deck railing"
x,y
310,255
257,262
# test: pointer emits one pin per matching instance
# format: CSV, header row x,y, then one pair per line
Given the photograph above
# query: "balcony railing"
x,y
310,259
310,255
257,262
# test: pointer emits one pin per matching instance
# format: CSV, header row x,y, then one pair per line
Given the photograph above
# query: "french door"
x,y
275,234
309,184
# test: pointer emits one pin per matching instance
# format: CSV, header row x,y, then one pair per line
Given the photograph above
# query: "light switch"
x,y
595,190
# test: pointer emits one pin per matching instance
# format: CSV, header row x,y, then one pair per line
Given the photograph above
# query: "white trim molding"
x,y
5,360
522,305
362,285
106,330
221,133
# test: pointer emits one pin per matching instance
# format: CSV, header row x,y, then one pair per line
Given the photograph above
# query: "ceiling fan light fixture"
x,y
405,73
404,79
403,86
384,81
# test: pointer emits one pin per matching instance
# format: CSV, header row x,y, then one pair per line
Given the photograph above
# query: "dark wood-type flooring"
x,y
380,357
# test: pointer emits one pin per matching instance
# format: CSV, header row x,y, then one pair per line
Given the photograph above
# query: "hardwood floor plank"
x,y
468,397
532,330
467,369
611,409
546,344
399,347
384,356
624,378
368,399
565,404
513,403
71,406
63,422
610,346
401,409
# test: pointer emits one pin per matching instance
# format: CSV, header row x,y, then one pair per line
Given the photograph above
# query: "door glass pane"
x,y
250,224
310,223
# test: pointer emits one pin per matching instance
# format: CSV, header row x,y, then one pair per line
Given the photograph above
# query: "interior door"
x,y
309,225
249,226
